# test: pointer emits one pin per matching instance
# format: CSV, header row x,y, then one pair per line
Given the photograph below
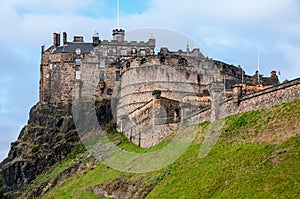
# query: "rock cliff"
x,y
48,138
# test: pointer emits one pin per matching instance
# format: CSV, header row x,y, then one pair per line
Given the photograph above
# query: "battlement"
x,y
118,35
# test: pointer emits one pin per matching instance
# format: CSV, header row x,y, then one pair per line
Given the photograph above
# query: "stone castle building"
x,y
155,91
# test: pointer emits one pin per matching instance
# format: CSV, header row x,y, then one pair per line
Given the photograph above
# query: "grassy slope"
x,y
257,156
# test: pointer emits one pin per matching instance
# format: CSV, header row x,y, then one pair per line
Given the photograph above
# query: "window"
x,y
78,74
102,63
142,53
77,62
118,75
104,52
123,52
109,91
102,75
78,51
133,51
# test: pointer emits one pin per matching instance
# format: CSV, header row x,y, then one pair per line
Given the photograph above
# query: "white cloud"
x,y
231,11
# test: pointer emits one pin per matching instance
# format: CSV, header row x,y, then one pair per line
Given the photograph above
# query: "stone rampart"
x,y
276,95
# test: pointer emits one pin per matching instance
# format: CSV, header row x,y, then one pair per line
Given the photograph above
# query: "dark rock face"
x,y
48,138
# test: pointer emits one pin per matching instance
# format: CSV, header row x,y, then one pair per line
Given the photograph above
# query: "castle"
x,y
155,91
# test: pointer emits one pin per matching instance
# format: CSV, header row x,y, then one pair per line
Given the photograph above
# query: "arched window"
x,y
109,91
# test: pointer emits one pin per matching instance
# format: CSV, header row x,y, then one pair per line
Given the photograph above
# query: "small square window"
x,y
142,52
133,51
102,63
77,62
102,75
104,52
118,75
123,52
78,74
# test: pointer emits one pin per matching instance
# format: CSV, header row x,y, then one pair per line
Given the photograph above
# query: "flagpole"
x,y
118,14
258,78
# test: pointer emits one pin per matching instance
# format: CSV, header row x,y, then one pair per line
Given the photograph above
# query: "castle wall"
x,y
276,95
150,124
60,72
45,81
139,80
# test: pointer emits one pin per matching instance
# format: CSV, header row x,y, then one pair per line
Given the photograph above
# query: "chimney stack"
x,y
78,39
56,39
65,39
273,73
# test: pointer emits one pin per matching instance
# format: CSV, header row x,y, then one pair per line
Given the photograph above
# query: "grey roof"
x,y
72,46
267,81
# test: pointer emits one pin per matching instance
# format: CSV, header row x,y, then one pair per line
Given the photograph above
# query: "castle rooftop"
x,y
72,46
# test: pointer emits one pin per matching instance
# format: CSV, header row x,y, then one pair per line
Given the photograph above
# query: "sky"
x,y
233,31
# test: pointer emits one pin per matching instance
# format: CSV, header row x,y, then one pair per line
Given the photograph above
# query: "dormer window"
x,y
77,62
78,51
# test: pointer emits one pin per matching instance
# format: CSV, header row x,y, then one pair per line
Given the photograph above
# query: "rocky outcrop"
x,y
47,139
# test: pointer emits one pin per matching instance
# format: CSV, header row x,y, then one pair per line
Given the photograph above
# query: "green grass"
x,y
234,171
76,186
248,161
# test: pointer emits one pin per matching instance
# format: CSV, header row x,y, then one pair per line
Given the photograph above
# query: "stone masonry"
x,y
129,73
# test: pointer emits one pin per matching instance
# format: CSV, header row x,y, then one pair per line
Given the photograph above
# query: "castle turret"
x,y
119,35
